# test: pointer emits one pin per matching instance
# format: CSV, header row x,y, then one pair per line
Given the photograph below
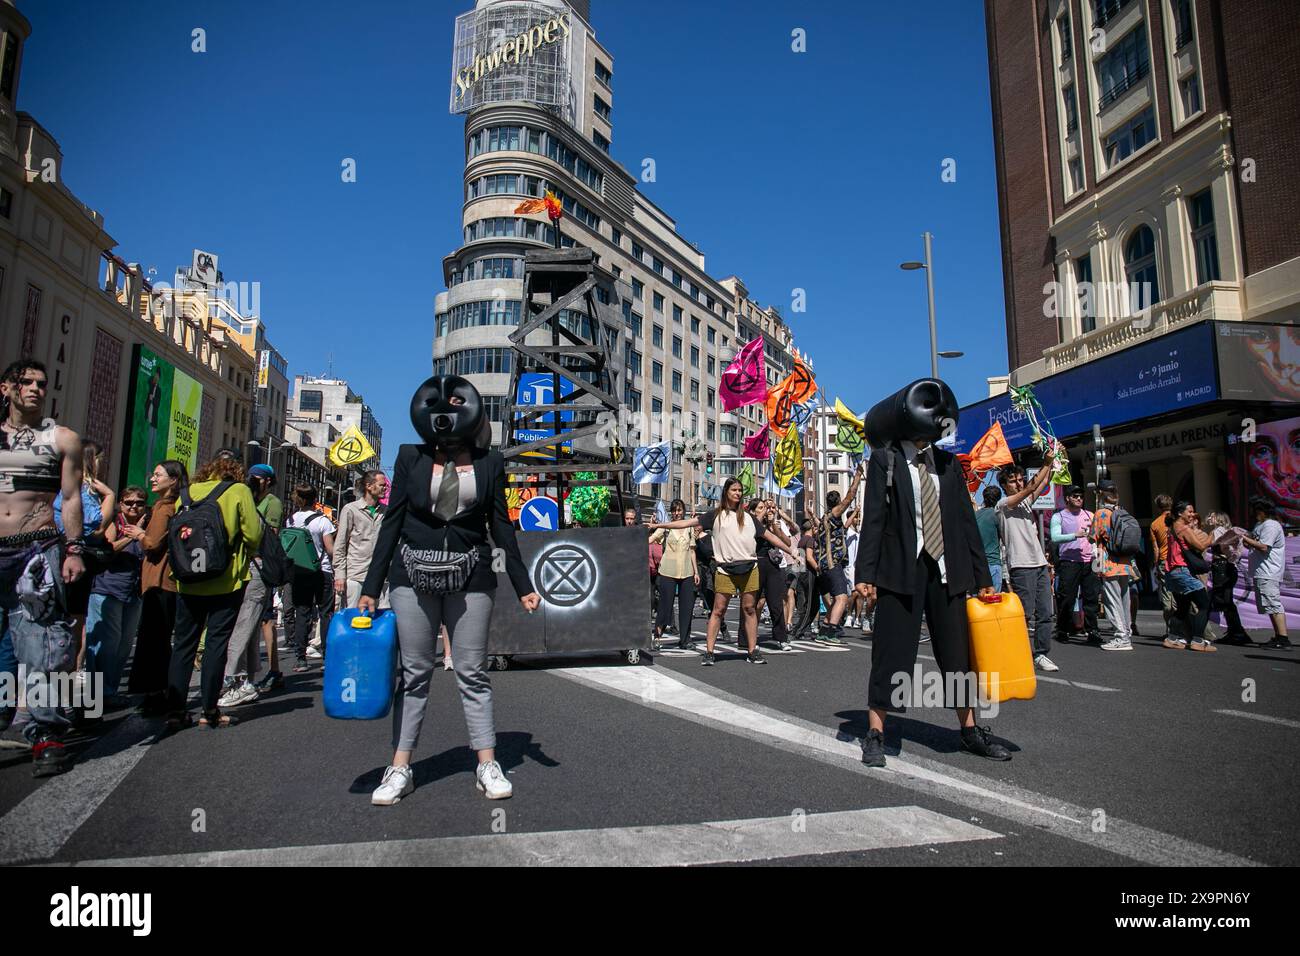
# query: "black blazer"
x,y
409,520
887,542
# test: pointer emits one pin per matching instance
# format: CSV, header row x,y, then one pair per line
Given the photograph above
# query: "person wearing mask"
x,y
1117,574
1223,557
1266,561
736,539
113,616
1186,542
1071,529
991,533
1159,537
448,497
312,592
212,604
355,541
153,646
678,577
1027,565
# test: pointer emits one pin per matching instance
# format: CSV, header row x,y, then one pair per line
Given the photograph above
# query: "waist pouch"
x,y
438,572
737,569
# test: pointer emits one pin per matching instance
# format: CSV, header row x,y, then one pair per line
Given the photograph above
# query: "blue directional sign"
x,y
537,388
540,514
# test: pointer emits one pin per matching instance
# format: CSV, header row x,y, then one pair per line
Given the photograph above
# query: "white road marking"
x,y
1056,680
699,702
37,828
1261,717
691,844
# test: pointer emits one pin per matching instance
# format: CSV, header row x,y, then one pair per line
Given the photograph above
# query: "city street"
x,y
1149,757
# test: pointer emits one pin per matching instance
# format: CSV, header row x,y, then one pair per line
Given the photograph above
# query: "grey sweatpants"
x,y
244,655
419,618
1114,595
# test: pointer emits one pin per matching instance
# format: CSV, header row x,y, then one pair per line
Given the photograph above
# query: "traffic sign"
x,y
537,388
540,514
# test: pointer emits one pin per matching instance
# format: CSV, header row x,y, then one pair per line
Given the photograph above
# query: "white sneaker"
x,y
1118,644
396,784
492,781
446,664
313,653
314,642
230,695
1044,663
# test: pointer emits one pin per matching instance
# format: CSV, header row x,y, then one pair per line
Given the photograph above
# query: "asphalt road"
x,y
1149,757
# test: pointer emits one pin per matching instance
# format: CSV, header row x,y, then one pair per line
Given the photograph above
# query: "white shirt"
x,y
910,453
1268,564
317,527
467,488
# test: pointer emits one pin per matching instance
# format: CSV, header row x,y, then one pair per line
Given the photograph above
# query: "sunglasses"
x,y
133,503
40,383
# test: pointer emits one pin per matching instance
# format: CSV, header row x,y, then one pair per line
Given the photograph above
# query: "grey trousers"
x,y
419,618
1114,596
1034,588
244,655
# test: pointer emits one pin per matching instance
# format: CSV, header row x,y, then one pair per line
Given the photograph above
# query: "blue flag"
x,y
652,463
661,512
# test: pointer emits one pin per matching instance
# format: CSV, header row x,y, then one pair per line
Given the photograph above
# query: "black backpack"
x,y
196,538
273,563
1124,539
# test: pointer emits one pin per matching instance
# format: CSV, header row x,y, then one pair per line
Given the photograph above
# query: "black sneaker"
x,y
756,657
1278,644
979,741
274,680
686,646
1237,640
302,666
707,659
873,749
50,758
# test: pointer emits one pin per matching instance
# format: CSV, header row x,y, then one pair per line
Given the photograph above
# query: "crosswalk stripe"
x,y
1054,680
690,844
1265,718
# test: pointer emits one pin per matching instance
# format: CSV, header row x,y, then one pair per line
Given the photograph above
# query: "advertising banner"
x,y
163,417
1259,363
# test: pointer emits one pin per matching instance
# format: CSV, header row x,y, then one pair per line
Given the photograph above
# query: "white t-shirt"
x,y
1268,564
318,527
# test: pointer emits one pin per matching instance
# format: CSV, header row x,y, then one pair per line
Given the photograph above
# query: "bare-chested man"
x,y
39,460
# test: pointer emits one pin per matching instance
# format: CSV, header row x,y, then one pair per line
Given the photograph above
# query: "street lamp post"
x,y
928,266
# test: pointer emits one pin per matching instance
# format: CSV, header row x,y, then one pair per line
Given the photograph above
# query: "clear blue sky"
x,y
817,170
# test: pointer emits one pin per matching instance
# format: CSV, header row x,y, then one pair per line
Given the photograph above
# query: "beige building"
x,y
67,300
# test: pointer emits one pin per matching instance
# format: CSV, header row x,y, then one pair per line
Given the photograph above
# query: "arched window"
x,y
1140,270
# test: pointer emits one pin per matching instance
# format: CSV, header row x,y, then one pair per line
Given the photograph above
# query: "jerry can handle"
x,y
993,599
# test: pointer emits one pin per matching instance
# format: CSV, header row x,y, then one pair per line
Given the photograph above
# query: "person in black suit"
x,y
919,552
433,551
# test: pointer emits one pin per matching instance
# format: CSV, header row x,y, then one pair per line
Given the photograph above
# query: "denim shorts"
x,y
1180,581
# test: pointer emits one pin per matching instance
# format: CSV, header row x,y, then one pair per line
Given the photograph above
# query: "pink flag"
x,y
758,445
744,381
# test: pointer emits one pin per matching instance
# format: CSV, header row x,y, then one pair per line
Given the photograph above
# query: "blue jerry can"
x,y
360,665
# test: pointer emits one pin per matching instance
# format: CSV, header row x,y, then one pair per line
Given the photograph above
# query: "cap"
x,y
1073,490
262,471
227,453
1106,485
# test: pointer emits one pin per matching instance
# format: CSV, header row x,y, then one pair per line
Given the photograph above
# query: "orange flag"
x,y
530,206
990,451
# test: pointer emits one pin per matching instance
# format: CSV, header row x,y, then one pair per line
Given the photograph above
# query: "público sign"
x,y
512,51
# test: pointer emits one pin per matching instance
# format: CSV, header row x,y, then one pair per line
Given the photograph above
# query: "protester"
x,y
98,509
1192,598
153,646
678,577
1224,556
355,541
735,546
855,616
212,603
113,617
1027,566
272,511
40,464
987,520
1159,536
312,584
771,575
1070,530
1118,572
832,558
448,492
1266,562
707,566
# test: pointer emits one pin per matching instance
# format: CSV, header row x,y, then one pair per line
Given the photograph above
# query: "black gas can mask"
x,y
443,422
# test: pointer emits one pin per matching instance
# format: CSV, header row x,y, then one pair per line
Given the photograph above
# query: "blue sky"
x,y
816,170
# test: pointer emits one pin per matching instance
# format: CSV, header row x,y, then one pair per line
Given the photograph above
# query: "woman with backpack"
x,y
211,542
308,540
153,645
1113,533
448,494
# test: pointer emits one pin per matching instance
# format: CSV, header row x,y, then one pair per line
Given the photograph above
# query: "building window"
x,y
638,287
695,326
711,365
659,303
1071,110
1183,23
6,203
600,141
695,390
1123,67
1106,10
657,406
712,397
657,373
616,234
1189,91
657,265
633,321
1083,289
1140,270
1130,137
603,75
712,429
677,381
1201,210
8,66
475,362
603,109
677,314
1063,32
677,346
1076,175
657,336
638,251
712,336
695,356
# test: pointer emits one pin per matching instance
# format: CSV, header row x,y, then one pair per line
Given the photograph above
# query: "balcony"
x,y
1211,301
728,418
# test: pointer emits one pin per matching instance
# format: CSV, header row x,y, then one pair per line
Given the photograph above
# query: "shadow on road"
x,y
511,751
943,740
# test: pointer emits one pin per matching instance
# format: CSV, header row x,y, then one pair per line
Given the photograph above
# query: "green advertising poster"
x,y
164,417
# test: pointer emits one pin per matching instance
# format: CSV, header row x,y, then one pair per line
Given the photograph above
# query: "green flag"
x,y
746,477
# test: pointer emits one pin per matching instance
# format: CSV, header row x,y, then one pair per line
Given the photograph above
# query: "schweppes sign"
x,y
516,51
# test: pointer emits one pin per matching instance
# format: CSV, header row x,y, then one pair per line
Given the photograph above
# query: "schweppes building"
x,y
537,91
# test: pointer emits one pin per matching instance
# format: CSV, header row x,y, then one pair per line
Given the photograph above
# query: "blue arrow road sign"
x,y
540,514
